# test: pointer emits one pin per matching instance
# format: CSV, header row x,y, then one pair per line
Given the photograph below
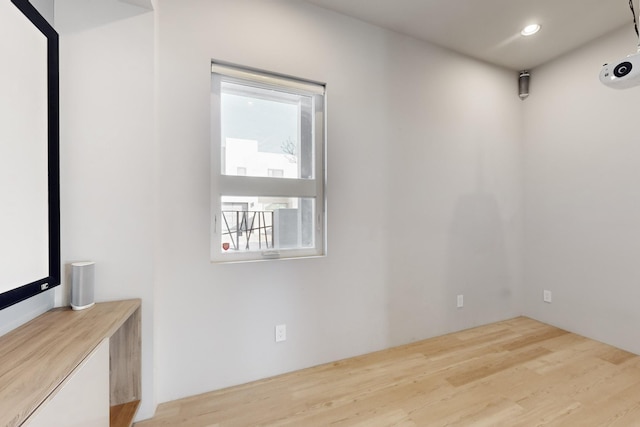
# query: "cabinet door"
x,y
83,398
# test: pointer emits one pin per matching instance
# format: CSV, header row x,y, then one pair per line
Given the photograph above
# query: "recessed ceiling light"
x,y
530,30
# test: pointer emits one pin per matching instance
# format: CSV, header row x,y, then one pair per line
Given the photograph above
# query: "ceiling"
x,y
489,30
78,15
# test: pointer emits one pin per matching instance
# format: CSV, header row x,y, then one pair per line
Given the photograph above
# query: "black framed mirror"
x,y
29,154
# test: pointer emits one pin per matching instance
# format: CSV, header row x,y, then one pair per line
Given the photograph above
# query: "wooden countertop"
x,y
36,357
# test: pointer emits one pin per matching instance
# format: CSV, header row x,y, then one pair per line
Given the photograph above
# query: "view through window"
x,y
268,179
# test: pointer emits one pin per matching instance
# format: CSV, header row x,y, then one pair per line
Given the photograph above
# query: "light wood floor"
x,y
513,373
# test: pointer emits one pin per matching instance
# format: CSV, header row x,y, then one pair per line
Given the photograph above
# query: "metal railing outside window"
x,y
256,227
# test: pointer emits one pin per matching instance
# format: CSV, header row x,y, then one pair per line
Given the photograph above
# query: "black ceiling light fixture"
x,y
523,84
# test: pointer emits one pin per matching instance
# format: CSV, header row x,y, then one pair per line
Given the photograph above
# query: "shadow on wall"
x,y
467,258
477,263
477,260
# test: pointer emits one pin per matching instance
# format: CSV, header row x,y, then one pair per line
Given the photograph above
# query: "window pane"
x,y
266,223
268,139
265,130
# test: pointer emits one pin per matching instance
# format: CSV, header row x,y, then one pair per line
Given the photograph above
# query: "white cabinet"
x,y
82,400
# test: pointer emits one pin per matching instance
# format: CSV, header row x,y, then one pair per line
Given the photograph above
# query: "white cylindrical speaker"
x,y
82,285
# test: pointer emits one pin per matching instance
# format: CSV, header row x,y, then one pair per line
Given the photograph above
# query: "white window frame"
x,y
248,186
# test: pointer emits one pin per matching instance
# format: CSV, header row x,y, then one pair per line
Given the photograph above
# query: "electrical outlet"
x,y
460,301
281,333
546,296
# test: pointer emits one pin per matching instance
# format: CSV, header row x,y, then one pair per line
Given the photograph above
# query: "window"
x,y
268,168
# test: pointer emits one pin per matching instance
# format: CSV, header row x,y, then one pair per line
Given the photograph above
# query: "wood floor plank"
x,y
498,363
518,372
533,339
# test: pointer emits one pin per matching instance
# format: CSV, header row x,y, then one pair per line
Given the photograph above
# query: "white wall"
x,y
454,203
582,153
21,313
429,138
107,157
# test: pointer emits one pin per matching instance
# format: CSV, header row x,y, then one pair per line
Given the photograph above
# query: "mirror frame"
x,y
29,290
